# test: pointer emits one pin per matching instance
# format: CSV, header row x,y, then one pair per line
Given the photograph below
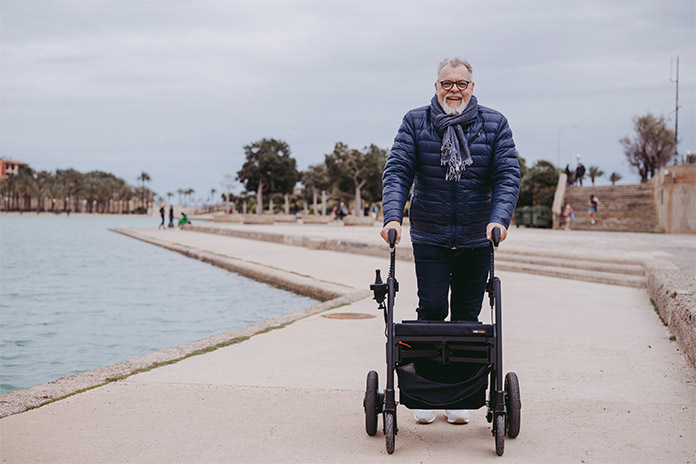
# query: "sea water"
x,y
75,296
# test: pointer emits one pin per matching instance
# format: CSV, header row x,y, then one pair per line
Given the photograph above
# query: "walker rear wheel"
x,y
370,403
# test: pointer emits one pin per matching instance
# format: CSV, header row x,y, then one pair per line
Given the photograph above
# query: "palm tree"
x,y
187,193
615,177
143,177
180,192
593,172
212,196
44,181
25,185
169,197
70,184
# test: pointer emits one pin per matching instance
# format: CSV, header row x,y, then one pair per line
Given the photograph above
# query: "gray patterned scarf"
x,y
455,146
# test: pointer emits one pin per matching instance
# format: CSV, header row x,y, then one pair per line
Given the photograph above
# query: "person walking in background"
x,y
460,159
171,216
568,215
569,175
594,202
161,226
579,174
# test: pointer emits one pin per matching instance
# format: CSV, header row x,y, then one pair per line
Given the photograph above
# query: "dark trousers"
x,y
440,270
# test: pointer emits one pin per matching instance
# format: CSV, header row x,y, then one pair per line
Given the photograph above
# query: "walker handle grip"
x,y
495,236
392,237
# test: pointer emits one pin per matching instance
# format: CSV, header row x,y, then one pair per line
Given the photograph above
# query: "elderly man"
x,y
461,161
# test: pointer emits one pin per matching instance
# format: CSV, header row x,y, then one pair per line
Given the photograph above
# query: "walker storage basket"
x,y
443,365
417,392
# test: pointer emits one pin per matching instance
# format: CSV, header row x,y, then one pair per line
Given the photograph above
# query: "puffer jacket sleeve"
x,y
399,171
505,175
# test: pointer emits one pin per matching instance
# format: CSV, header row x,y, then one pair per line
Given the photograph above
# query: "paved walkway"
x,y
601,381
679,249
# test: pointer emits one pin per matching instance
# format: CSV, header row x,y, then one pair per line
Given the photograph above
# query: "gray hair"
x,y
454,62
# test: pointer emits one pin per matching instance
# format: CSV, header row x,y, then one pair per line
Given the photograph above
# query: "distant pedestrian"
x,y
171,216
161,226
366,210
568,215
594,203
569,175
579,174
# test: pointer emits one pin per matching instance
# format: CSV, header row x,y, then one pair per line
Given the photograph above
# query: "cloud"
x,y
177,88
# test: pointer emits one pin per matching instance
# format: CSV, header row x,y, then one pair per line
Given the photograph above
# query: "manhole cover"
x,y
348,316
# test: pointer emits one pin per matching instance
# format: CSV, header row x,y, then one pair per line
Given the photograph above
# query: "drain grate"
x,y
348,316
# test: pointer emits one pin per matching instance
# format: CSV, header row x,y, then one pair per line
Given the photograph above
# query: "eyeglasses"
x,y
461,85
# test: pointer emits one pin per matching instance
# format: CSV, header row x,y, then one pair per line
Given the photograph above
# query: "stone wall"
x,y
674,190
672,293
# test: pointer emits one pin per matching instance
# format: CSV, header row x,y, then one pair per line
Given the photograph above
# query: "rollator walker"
x,y
466,354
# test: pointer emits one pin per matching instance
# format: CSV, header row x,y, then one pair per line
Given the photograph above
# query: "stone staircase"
x,y
626,208
626,272
629,273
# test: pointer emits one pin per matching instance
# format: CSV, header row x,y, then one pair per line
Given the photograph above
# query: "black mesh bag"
x,y
429,385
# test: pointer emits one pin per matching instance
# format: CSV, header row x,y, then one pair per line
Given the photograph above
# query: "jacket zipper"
x,y
453,226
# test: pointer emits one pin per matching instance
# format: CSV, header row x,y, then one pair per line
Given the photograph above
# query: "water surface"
x,y
75,296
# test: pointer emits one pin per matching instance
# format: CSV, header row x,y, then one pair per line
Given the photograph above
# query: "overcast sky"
x,y
177,88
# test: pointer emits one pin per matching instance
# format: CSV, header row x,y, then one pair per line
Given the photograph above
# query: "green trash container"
x,y
518,216
527,216
542,216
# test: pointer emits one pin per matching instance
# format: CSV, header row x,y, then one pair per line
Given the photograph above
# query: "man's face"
x,y
454,100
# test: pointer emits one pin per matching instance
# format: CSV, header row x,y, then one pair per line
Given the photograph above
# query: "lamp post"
x,y
558,149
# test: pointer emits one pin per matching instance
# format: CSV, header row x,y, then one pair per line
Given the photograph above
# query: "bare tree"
x,y
652,146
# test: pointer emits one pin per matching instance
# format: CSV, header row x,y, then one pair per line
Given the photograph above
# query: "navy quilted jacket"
x,y
451,214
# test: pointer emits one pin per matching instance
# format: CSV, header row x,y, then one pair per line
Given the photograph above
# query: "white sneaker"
x,y
458,416
424,416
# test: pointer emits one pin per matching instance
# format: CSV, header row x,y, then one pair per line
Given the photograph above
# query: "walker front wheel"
x,y
389,431
499,433
370,403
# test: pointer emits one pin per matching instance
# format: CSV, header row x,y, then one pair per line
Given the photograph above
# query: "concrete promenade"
x,y
601,381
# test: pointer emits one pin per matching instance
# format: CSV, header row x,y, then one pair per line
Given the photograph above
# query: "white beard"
x,y
453,110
